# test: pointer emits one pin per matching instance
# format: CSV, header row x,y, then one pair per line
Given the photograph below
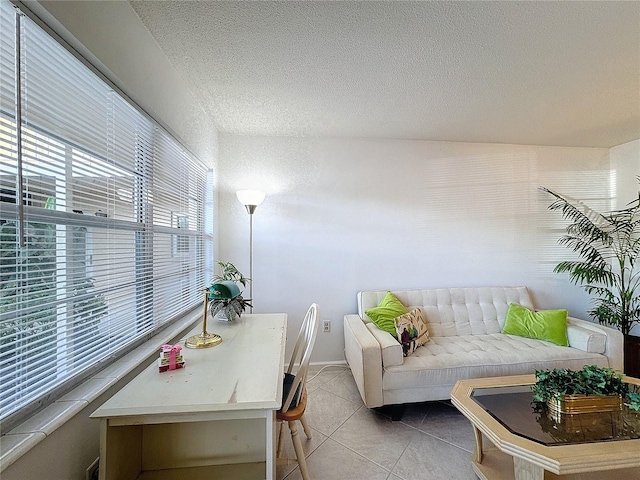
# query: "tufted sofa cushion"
x,y
444,360
465,326
456,311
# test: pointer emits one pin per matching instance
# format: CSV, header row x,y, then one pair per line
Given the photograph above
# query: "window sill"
x,y
35,429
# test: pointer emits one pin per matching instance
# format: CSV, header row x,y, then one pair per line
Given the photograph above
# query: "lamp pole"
x,y
250,210
250,199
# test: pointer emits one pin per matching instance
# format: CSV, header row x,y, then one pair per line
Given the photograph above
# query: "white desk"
x,y
215,418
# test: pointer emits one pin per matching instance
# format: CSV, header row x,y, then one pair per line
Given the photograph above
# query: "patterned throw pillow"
x,y
412,331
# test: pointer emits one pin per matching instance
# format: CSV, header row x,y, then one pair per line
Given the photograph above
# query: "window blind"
x,y
108,244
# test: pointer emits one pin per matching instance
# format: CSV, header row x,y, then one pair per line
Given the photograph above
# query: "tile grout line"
x,y
363,457
321,387
446,441
390,471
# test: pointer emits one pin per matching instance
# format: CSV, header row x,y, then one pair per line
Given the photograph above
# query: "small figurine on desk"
x,y
170,358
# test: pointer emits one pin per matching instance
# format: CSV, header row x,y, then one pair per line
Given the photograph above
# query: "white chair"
x,y
294,390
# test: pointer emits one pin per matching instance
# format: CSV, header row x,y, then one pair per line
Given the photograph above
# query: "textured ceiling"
x,y
540,73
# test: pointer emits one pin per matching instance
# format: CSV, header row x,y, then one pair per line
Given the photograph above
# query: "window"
x,y
101,218
181,242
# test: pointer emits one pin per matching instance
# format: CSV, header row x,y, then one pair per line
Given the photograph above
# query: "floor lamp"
x,y
250,199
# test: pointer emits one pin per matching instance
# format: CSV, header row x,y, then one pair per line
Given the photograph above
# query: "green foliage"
x,y
228,271
88,306
634,401
608,246
591,380
28,284
231,307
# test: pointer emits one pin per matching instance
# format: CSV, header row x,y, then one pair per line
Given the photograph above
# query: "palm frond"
x,y
577,211
608,246
594,254
584,272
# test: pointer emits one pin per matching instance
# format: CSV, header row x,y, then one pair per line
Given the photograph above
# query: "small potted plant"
x,y
229,272
225,298
591,389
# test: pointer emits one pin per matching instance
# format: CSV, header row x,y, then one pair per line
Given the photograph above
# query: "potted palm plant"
x,y
225,298
608,246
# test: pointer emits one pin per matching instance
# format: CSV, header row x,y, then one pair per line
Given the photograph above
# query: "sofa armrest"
x,y
613,345
586,340
392,355
364,356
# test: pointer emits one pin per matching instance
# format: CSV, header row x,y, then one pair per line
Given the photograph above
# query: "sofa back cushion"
x,y
455,311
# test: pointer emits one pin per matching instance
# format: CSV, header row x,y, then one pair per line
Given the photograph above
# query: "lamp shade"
x,y
250,197
224,289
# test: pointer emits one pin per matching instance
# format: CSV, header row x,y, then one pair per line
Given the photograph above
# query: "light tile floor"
x,y
351,442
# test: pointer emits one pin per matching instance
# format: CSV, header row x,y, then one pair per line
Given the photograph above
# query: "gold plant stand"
x,y
577,404
204,339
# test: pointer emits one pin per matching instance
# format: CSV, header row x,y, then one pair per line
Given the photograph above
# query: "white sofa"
x,y
464,326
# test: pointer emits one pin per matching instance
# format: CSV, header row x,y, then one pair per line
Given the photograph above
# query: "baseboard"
x,y
339,363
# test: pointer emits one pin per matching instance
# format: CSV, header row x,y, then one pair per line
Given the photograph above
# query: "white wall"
x,y
343,215
625,159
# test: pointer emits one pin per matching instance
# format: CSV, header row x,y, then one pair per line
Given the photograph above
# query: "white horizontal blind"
x,y
112,220
8,168
177,203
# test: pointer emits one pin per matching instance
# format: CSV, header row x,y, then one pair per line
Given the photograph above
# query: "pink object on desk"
x,y
172,352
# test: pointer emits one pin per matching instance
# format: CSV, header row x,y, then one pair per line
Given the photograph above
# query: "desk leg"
x,y
120,451
102,467
271,445
524,470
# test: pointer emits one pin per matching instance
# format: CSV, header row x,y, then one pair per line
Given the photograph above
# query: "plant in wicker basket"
x,y
591,380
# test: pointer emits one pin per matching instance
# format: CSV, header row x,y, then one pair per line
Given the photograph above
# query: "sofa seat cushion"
x,y
444,360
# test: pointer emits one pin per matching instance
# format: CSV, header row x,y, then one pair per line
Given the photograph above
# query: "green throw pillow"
x,y
385,313
549,325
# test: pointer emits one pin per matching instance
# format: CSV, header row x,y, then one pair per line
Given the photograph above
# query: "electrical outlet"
x,y
326,326
92,471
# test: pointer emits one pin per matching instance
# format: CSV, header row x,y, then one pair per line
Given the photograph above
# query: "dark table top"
x,y
517,411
